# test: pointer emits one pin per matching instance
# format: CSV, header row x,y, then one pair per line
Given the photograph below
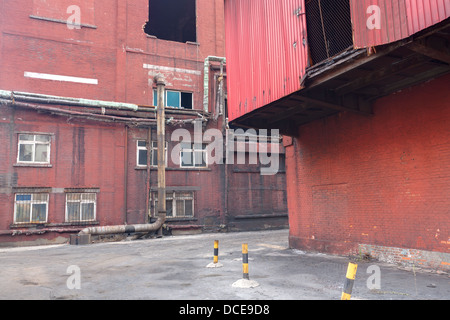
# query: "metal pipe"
x,y
49,99
206,80
77,114
161,137
149,159
124,228
156,226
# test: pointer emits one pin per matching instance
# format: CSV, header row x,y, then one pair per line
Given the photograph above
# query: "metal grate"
x,y
329,28
31,208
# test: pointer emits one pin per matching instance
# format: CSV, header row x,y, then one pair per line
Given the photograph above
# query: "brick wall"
x,y
381,180
83,155
111,48
111,59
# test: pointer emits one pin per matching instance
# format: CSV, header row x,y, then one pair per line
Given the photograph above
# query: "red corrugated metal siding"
x,y
266,45
399,19
266,51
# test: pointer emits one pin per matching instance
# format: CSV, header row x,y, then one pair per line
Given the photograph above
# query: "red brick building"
x,y
78,128
360,92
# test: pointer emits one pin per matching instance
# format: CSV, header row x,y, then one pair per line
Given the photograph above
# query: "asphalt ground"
x,y
175,268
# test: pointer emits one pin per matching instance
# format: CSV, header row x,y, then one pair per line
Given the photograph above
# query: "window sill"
x,y
37,225
152,168
73,224
180,219
33,165
192,43
262,216
52,225
189,169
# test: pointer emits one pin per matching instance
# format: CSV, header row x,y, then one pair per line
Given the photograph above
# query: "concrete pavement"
x,y
174,268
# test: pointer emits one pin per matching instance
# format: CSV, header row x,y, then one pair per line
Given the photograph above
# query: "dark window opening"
x,y
173,20
186,100
329,28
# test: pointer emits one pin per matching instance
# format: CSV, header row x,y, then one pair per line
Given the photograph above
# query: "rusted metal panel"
x,y
266,51
378,22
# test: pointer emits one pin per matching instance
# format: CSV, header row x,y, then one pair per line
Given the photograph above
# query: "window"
x,y
193,155
142,153
31,208
154,154
81,207
178,204
173,20
329,28
175,99
34,149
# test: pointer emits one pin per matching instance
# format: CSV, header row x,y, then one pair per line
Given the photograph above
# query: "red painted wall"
x,y
381,180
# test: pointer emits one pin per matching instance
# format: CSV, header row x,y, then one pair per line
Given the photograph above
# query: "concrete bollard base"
x,y
245,283
214,265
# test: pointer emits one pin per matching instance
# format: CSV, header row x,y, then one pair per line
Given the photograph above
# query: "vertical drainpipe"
x,y
148,198
161,132
206,80
126,176
223,61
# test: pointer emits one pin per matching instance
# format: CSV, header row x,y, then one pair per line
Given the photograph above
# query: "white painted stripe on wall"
x,y
171,69
55,77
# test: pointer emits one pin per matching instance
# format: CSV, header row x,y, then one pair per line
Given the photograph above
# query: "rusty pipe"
x,y
136,228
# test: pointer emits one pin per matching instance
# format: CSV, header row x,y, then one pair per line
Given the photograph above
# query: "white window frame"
x,y
153,159
174,197
31,202
193,150
81,201
33,143
139,148
154,149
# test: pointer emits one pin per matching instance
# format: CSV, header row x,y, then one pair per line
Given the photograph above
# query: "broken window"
x,y
173,20
31,208
178,204
34,148
329,28
175,99
80,207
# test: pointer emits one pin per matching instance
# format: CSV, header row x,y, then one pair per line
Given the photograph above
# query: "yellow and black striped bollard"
x,y
215,263
245,261
349,280
216,251
245,282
